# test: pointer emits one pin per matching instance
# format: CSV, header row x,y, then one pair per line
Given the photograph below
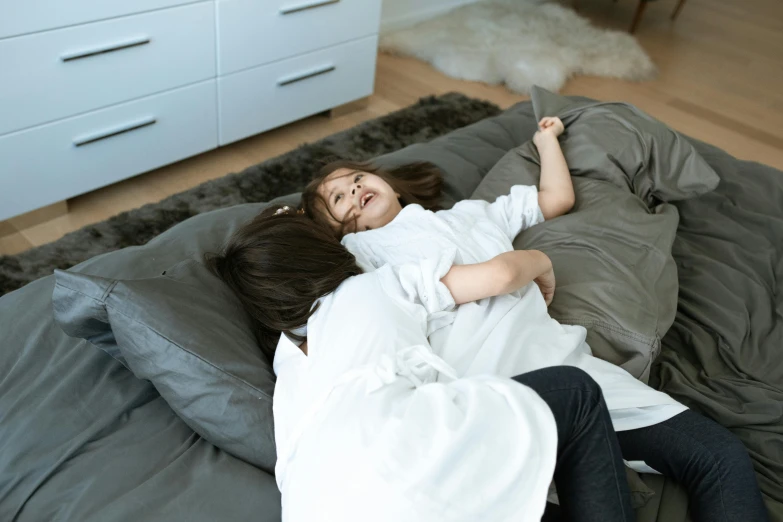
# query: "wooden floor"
x,y
721,80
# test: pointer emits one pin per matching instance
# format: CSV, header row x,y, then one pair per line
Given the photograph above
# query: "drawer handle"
x,y
303,76
305,7
114,131
108,48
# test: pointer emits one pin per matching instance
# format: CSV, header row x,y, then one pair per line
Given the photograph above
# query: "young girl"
x,y
386,217
364,432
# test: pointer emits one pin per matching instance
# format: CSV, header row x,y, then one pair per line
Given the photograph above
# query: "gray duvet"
x,y
82,439
723,356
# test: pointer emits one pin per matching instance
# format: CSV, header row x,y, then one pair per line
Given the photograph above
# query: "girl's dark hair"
x,y
418,183
278,265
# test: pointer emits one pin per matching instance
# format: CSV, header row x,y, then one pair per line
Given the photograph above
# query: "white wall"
x,y
399,13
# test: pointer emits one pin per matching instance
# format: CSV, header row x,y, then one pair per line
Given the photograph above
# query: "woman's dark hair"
x,y
278,265
416,183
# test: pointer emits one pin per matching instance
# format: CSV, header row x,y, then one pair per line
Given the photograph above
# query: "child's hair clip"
x,y
288,210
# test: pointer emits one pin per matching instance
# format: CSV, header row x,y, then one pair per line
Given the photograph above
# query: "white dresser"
x,y
92,92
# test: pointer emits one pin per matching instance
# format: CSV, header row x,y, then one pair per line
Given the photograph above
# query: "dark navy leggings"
x,y
706,458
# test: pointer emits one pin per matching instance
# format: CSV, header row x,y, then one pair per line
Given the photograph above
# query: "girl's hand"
x,y
546,282
549,127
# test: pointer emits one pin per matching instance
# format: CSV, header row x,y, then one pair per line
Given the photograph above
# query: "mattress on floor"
x,y
83,439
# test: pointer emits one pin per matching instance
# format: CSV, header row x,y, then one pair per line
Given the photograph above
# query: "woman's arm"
x,y
556,191
500,275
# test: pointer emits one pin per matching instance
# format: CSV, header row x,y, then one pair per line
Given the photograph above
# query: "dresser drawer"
x,y
28,16
256,32
52,75
260,99
63,159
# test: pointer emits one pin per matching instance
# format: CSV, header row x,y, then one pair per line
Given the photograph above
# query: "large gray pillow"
x,y
185,332
617,142
612,253
613,264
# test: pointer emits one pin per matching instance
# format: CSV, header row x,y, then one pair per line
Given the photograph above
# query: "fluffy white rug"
x,y
522,43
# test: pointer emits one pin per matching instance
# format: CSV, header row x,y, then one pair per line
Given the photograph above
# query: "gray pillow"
x,y
612,260
185,332
616,142
612,253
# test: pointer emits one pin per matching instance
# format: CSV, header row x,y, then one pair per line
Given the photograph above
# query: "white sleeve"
x,y
422,285
420,282
361,251
517,211
419,286
290,367
513,213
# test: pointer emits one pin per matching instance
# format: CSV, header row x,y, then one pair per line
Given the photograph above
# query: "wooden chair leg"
x,y
638,16
678,9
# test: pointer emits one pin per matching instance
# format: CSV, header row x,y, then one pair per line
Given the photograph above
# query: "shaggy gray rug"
x,y
429,118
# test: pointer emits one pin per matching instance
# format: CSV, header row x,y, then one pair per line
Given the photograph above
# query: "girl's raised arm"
x,y
555,191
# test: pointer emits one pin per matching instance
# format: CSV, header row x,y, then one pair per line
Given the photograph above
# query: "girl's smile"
x,y
366,198
357,201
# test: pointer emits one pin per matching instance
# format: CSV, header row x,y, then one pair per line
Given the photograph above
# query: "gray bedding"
x,y
612,253
83,439
723,356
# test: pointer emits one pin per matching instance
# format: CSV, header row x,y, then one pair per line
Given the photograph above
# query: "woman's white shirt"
x,y
371,424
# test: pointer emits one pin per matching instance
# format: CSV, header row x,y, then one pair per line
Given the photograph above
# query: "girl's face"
x,y
361,200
